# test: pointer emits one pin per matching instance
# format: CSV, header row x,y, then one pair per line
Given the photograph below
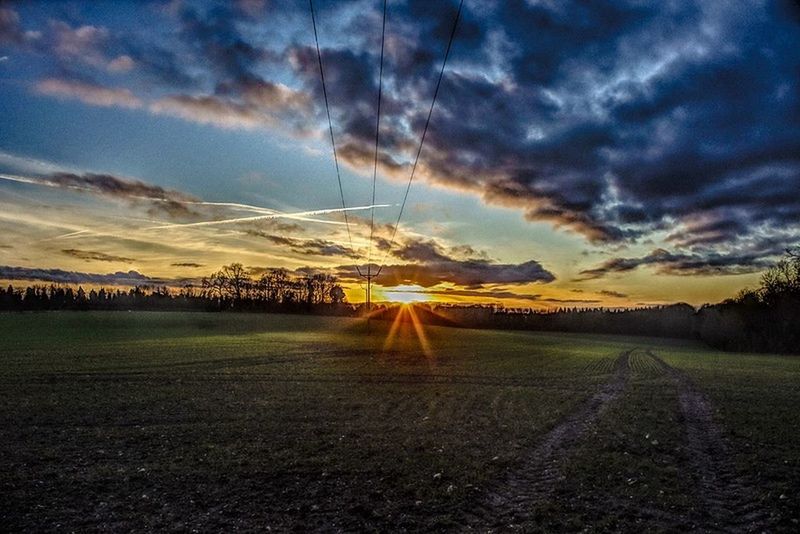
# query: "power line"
x,y
330,126
369,276
422,139
377,141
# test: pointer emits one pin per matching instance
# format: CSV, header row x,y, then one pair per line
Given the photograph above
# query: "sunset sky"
x,y
580,153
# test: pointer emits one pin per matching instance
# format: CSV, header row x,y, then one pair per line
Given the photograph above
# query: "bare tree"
x,y
782,279
235,281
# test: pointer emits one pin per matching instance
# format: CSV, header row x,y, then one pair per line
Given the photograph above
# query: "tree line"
x,y
230,288
764,319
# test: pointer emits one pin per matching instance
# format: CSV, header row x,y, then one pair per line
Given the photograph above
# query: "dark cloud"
x,y
468,251
275,225
130,278
428,264
215,37
667,262
10,30
158,199
187,264
615,120
468,273
106,184
241,96
92,255
161,65
428,250
424,251
312,247
175,209
610,293
612,120
709,231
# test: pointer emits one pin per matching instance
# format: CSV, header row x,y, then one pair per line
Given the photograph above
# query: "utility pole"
x,y
368,276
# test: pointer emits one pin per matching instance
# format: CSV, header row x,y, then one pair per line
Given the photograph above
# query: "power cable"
x,y
422,139
330,125
377,142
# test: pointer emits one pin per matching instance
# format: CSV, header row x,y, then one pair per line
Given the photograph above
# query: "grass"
x,y
225,421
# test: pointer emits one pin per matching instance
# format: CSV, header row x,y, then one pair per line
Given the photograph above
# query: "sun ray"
x,y
408,325
419,328
390,337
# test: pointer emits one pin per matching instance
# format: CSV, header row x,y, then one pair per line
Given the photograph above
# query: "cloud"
x,y
420,251
107,184
85,43
612,121
428,264
91,255
214,35
614,294
88,93
673,263
468,273
10,31
209,110
311,247
174,204
246,104
175,209
187,264
59,276
276,225
32,165
617,121
104,184
123,63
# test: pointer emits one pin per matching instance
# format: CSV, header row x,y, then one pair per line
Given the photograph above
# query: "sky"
x,y
610,153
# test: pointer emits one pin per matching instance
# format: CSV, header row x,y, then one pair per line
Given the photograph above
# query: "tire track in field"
x,y
508,503
727,497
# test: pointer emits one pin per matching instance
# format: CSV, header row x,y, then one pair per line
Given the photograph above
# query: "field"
x,y
149,421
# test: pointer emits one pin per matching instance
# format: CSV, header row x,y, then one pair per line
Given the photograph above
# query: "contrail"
x,y
275,215
264,213
44,182
71,234
233,205
24,180
85,232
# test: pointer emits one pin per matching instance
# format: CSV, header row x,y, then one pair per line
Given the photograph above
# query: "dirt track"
x,y
508,501
727,499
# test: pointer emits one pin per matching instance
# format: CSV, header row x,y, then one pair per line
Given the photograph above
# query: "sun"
x,y
407,294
